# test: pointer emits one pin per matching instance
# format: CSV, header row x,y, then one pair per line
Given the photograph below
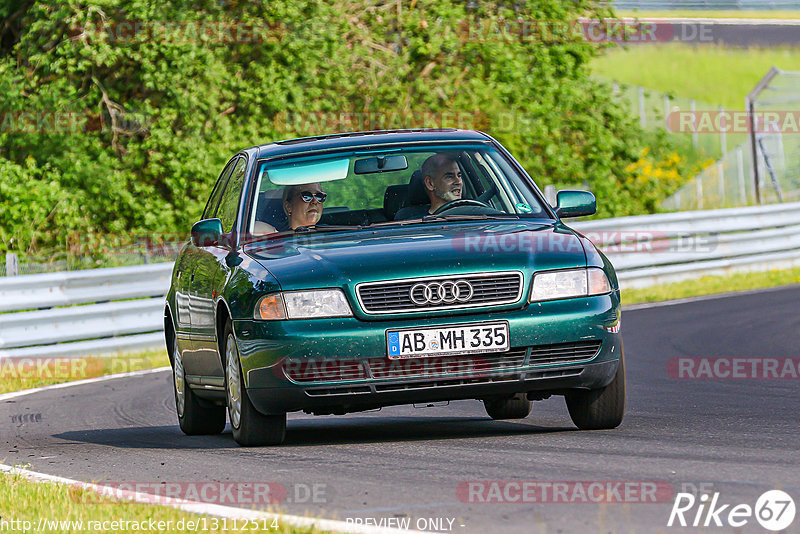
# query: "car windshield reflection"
x,y
375,189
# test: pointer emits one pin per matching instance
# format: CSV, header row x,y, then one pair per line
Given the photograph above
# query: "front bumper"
x,y
266,348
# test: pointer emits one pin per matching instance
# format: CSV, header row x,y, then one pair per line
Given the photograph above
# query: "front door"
x,y
210,274
183,323
195,304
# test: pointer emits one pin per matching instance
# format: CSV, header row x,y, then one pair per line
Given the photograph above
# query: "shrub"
x,y
160,116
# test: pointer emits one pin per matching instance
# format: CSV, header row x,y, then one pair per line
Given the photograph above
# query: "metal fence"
x,y
726,183
765,167
654,109
120,309
774,105
57,261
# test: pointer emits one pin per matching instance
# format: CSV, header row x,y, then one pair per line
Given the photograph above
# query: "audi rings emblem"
x,y
447,292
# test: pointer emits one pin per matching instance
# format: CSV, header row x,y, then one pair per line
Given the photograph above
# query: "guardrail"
x,y
706,4
84,311
656,249
77,287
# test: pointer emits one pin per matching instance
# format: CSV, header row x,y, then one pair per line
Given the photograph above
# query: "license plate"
x,y
444,340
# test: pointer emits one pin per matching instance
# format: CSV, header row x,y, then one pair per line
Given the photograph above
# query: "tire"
x,y
603,408
250,427
195,417
516,407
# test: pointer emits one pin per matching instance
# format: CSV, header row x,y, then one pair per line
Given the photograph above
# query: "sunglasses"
x,y
307,196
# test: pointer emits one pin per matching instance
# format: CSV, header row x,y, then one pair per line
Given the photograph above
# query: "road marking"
x,y
218,510
194,507
22,393
401,508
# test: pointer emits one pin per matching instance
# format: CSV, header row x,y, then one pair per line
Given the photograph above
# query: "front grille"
x,y
467,364
563,352
393,296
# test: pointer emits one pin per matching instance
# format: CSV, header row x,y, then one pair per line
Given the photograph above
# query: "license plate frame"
x,y
395,339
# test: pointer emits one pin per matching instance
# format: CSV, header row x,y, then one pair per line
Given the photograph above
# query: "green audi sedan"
x,y
348,272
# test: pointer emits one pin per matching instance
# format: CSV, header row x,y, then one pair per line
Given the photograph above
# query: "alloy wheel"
x,y
234,382
180,384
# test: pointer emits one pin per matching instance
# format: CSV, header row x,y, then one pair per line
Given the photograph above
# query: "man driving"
x,y
441,178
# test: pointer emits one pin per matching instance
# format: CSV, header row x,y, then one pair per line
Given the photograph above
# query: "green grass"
x,y
16,375
709,285
24,500
710,14
710,74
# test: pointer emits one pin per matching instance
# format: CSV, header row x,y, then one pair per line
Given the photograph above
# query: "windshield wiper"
x,y
307,230
323,228
438,218
401,222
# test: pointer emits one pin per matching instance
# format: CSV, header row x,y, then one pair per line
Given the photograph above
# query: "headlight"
x,y
310,304
567,284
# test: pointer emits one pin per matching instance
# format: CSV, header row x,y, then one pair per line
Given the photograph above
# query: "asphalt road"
x,y
735,437
727,32
753,35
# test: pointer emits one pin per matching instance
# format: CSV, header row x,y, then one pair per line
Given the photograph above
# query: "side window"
x,y
229,205
213,201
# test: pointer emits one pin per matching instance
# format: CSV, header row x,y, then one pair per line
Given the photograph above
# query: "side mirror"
x,y
575,203
207,233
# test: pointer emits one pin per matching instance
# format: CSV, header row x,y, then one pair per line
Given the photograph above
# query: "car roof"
x,y
366,139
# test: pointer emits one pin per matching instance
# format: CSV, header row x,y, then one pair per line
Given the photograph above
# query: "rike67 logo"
x,y
774,510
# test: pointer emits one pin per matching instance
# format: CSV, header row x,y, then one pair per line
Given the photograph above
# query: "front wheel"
x,y
602,408
250,427
194,416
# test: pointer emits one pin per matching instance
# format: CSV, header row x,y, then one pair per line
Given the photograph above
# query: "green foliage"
x,y
156,116
32,202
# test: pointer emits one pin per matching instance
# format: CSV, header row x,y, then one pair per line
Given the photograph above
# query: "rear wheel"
x,y
250,427
516,407
602,408
194,416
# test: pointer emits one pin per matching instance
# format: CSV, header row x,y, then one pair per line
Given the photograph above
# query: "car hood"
x,y
345,258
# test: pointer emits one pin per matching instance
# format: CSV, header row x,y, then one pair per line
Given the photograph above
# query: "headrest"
x,y
416,194
270,208
393,199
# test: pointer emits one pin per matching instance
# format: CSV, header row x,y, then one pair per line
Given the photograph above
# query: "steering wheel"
x,y
458,203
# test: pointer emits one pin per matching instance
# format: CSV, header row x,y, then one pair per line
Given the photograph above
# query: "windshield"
x,y
389,186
